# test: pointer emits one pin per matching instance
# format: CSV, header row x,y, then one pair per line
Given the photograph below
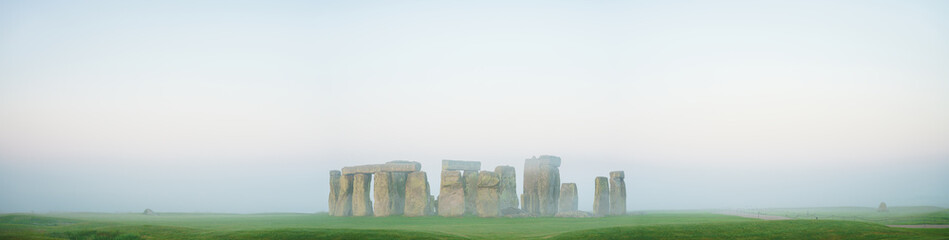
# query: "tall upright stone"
x,y
488,194
526,201
529,196
399,179
362,205
601,200
451,197
334,191
507,187
541,185
344,203
417,195
617,193
568,197
470,174
471,192
549,189
432,206
389,193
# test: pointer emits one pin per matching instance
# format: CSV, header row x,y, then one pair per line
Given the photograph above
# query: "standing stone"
x,y
417,195
507,187
617,193
488,194
432,206
380,194
549,189
529,196
451,197
344,203
541,185
362,205
398,181
334,191
471,192
568,197
526,202
601,200
389,193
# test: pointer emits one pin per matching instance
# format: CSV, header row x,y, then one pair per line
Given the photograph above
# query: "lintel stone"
x,y
458,165
394,166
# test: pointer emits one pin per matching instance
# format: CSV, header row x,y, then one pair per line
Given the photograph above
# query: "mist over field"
x,y
117,106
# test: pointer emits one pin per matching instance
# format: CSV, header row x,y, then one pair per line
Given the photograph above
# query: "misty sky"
x,y
244,106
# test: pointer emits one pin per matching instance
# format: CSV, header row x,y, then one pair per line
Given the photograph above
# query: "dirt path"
x,y
753,215
919,226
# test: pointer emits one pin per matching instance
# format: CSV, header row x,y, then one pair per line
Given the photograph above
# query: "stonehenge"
x,y
351,188
470,174
457,165
471,192
344,203
418,199
601,197
334,191
362,206
488,194
507,187
393,166
451,196
568,197
541,185
389,193
401,188
617,193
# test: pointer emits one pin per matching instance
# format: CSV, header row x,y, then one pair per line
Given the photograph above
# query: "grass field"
x,y
894,215
321,226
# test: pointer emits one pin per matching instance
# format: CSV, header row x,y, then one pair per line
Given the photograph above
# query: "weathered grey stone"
x,y
388,193
398,185
541,185
344,203
432,207
548,190
574,214
394,166
471,192
451,197
452,165
362,205
568,197
334,191
526,202
507,187
417,195
617,193
601,197
488,194
529,195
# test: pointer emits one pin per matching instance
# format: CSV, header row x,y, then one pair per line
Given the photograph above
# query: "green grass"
x,y
322,226
895,215
788,229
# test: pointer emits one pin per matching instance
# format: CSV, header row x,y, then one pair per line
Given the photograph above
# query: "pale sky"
x,y
244,106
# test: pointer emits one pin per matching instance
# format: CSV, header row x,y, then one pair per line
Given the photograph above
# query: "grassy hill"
x,y
321,226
